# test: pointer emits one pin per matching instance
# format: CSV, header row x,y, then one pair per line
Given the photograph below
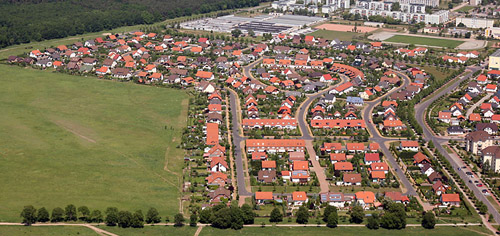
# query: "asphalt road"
x,y
238,150
376,137
438,141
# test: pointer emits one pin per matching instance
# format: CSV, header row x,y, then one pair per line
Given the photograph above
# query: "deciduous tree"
x,y
429,220
43,215
111,216
29,215
179,220
276,215
302,215
70,212
152,216
357,214
84,213
57,215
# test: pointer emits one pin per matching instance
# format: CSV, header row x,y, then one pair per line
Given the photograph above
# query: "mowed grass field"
x,y
77,140
331,35
46,230
209,231
347,231
446,43
154,230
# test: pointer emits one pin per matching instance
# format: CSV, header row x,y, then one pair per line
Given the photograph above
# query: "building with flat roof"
x,y
474,22
431,3
408,13
493,32
494,61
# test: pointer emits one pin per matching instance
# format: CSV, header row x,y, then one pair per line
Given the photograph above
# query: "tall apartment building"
x,y
408,13
329,7
494,61
475,2
430,3
475,22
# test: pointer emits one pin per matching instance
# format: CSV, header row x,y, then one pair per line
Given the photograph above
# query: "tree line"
x,y
111,217
36,20
221,216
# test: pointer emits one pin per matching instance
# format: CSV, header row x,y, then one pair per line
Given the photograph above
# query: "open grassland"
x,y
153,230
346,231
446,43
331,35
46,230
76,140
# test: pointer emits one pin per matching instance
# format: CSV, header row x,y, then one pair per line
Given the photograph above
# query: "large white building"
x,y
493,32
475,22
430,3
408,13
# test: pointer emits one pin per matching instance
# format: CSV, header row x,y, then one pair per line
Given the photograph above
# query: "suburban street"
x,y
376,137
455,162
238,140
308,137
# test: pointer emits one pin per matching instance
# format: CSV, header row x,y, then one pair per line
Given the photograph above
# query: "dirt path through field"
x,y
76,129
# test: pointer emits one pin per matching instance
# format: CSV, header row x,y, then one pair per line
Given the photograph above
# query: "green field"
x,y
465,9
153,230
446,43
438,74
83,141
46,230
354,231
331,35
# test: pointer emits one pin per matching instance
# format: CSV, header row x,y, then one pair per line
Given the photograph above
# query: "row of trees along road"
x,y
222,216
31,215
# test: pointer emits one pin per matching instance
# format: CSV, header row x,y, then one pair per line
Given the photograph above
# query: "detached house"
x,y
450,199
409,146
351,179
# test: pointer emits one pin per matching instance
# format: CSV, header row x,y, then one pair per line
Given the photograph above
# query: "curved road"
x,y
381,140
309,138
455,162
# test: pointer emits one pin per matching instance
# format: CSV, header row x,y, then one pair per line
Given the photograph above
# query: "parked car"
x,y
479,185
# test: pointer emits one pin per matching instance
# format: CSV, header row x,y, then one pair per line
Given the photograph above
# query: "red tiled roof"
x,y
299,196
263,195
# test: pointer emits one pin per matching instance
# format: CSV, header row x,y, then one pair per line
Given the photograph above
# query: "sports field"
x,y
77,140
437,42
346,28
331,35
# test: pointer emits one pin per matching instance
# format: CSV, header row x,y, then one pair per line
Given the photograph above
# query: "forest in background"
x,y
24,21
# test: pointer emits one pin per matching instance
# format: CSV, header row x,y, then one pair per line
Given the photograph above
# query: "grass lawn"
x,y
355,231
493,202
465,9
152,230
331,35
83,141
354,189
46,230
447,43
438,74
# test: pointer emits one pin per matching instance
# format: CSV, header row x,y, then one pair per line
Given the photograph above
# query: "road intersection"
x,y
375,136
